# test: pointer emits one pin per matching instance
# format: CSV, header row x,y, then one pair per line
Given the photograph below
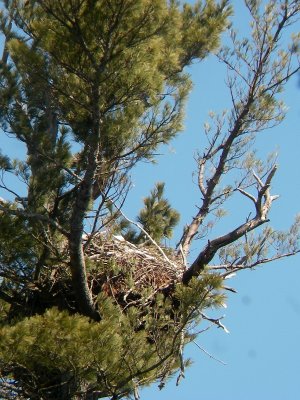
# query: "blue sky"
x,y
262,350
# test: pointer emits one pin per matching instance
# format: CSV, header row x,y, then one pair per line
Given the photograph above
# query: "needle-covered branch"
x,y
6,209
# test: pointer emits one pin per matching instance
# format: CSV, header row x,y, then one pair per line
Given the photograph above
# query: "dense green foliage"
x,y
57,355
90,88
157,218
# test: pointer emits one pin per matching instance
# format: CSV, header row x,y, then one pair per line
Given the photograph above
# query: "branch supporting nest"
x,y
262,204
125,270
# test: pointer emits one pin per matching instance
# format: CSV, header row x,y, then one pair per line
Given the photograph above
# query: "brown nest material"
x,y
128,272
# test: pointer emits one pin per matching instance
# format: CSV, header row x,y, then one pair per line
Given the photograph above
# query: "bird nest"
x,y
131,273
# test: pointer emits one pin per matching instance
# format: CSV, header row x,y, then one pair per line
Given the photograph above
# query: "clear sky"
x,y
262,350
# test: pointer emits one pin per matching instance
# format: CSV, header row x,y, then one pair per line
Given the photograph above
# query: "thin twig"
x,y
147,234
208,354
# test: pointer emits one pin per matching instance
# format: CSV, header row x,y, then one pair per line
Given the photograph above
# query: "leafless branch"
x,y
256,74
262,204
215,321
208,354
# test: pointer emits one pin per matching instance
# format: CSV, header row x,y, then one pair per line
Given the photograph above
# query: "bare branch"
x,y
262,205
257,70
247,195
208,354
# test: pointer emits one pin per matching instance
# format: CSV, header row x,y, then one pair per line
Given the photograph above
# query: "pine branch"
x,y
34,216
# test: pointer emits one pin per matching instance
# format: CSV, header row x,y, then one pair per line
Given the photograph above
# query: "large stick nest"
x,y
128,272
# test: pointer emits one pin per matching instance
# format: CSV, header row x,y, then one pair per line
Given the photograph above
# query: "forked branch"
x,y
262,203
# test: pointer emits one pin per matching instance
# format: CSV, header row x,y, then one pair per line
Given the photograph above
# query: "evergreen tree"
x,y
157,218
91,88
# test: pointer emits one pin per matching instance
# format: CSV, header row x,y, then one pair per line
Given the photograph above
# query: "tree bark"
x,y
212,247
77,262
84,197
262,204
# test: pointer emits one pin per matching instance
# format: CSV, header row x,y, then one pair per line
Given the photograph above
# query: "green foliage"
x,y
102,43
91,88
17,235
157,218
5,163
107,76
59,354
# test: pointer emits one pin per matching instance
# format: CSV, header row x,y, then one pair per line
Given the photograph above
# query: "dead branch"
x,y
208,354
256,74
215,321
262,205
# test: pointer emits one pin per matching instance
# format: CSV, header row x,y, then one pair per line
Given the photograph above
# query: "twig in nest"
x,y
148,236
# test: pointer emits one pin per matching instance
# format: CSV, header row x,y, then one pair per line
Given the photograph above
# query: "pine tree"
x,y
157,218
91,88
